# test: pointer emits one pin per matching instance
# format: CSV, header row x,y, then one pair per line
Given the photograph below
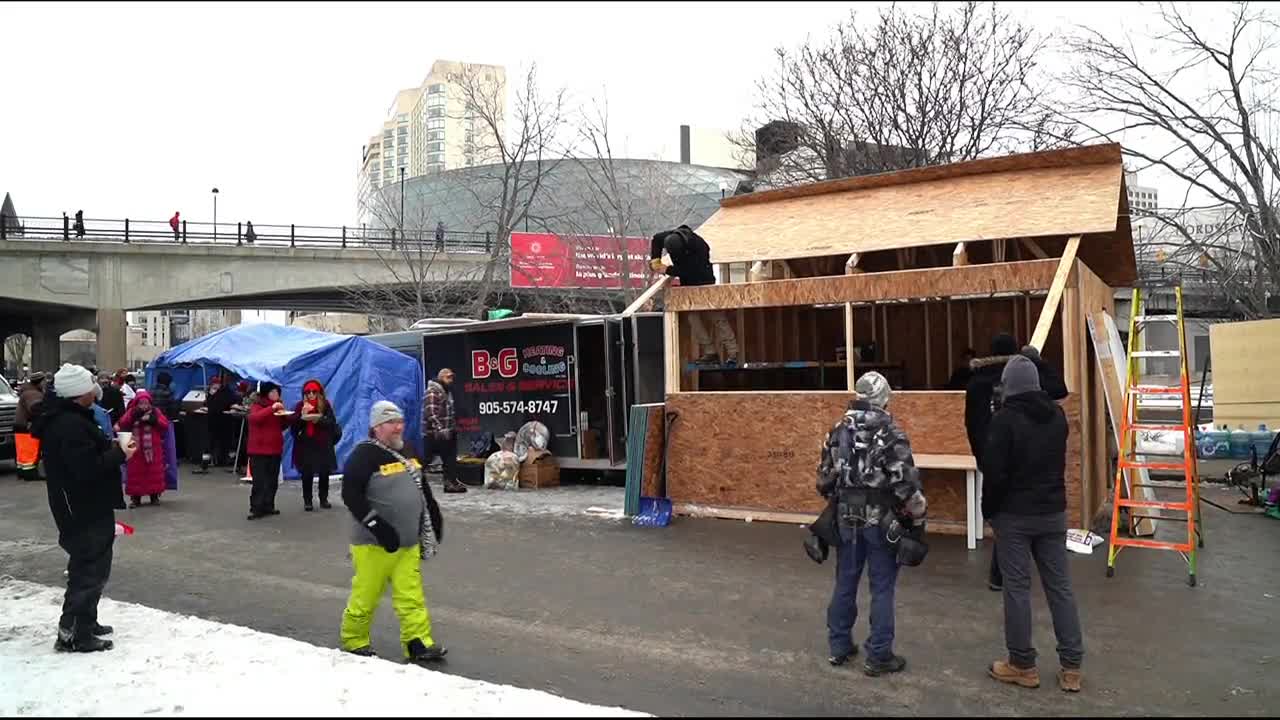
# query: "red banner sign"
x,y
578,261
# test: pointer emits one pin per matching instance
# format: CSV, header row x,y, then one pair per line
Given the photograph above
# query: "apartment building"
x,y
432,128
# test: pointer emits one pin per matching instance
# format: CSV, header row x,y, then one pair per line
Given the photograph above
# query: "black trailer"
x,y
577,374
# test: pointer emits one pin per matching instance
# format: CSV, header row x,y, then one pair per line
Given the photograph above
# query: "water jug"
x,y
1241,443
1262,441
1214,444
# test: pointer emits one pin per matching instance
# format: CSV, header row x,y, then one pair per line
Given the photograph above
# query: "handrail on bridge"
x,y
32,227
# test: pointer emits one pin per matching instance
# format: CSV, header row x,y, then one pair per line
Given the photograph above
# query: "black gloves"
x,y
386,535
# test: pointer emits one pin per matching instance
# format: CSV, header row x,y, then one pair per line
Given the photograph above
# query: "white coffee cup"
x,y
124,438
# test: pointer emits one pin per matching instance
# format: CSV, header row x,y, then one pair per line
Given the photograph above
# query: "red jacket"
x,y
266,430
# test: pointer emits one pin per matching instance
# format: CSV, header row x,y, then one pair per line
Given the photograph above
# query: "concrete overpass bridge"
x,y
57,275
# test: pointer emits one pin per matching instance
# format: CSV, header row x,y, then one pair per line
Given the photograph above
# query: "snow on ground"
x,y
567,501
167,664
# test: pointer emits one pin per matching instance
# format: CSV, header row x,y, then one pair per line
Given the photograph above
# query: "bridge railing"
x,y
99,230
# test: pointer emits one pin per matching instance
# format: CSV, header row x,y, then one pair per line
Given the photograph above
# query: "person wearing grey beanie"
x,y
983,395
1025,498
83,469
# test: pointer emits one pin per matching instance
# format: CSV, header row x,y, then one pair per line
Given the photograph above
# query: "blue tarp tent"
x,y
355,372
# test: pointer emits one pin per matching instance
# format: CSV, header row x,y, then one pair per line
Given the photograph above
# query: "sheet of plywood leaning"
x,y
1246,386
1112,364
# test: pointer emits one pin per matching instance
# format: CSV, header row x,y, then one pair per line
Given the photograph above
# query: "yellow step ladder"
x,y
1186,509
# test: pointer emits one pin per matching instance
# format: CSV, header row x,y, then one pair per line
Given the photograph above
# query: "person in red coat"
x,y
267,423
144,473
315,433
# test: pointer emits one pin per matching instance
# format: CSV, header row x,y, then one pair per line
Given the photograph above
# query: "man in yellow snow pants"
x,y
397,526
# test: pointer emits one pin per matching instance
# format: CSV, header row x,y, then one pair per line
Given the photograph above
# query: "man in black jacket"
x,y
691,263
1024,494
83,469
983,396
112,399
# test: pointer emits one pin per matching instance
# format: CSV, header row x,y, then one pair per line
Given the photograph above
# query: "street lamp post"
x,y
215,214
401,203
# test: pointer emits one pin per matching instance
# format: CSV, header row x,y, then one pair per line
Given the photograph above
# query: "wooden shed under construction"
x,y
898,272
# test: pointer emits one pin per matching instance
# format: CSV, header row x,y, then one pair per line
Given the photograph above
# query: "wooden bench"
x,y
973,489
973,500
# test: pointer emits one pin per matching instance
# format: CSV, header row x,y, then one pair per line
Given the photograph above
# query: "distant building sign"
x,y
578,261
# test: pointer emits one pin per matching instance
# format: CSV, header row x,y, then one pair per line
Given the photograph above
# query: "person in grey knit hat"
x,y
1024,496
396,525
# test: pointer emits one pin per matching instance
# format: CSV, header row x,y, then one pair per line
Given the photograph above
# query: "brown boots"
x,y
1002,670
1006,673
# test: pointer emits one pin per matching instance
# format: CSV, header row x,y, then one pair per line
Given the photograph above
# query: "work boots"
x,y
420,653
454,486
1006,672
69,640
1069,680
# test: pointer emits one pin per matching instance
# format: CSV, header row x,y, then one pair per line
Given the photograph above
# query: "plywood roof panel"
x,y
1048,194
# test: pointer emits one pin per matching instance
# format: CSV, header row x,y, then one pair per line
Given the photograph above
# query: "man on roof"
x,y
691,264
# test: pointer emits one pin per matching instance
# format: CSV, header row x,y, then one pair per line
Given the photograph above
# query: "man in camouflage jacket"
x,y
868,471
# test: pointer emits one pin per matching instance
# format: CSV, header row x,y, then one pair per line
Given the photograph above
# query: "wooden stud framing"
x,y
998,248
756,272
968,313
928,350
950,350
959,256
884,323
850,369
1033,248
897,285
671,327
1065,265
742,335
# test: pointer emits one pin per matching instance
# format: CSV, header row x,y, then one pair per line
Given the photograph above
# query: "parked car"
x,y
8,411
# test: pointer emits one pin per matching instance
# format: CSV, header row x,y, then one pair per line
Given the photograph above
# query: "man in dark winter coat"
x,y
868,471
1024,494
440,428
397,526
222,427
691,263
112,398
84,491
983,396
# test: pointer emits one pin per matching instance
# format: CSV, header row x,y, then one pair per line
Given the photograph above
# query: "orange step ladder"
x,y
1186,507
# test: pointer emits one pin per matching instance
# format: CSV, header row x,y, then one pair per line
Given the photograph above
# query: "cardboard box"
x,y
543,472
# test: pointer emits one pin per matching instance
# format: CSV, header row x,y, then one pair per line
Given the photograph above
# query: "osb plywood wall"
x,y
761,450
1246,387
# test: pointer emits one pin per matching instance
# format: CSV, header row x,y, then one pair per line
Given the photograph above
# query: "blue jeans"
x,y
860,548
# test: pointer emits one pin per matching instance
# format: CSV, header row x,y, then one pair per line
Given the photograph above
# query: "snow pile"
x,y
167,664
567,501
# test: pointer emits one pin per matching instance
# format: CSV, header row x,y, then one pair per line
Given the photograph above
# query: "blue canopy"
x,y
355,373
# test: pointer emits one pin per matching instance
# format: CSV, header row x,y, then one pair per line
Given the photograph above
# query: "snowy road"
x,y
167,664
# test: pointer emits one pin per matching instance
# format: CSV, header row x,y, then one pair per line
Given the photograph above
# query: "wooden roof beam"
x,y
1034,248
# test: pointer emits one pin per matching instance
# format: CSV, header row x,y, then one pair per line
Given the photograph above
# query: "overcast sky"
x,y
137,110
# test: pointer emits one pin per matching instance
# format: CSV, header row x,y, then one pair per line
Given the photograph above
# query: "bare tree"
x,y
622,201
1211,121
907,90
16,350
423,283
514,150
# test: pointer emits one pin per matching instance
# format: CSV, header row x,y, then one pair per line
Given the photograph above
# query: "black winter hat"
x,y
1004,344
266,388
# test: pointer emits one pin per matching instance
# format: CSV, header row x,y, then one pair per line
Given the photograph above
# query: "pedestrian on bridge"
x,y
249,234
78,226
173,223
440,236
